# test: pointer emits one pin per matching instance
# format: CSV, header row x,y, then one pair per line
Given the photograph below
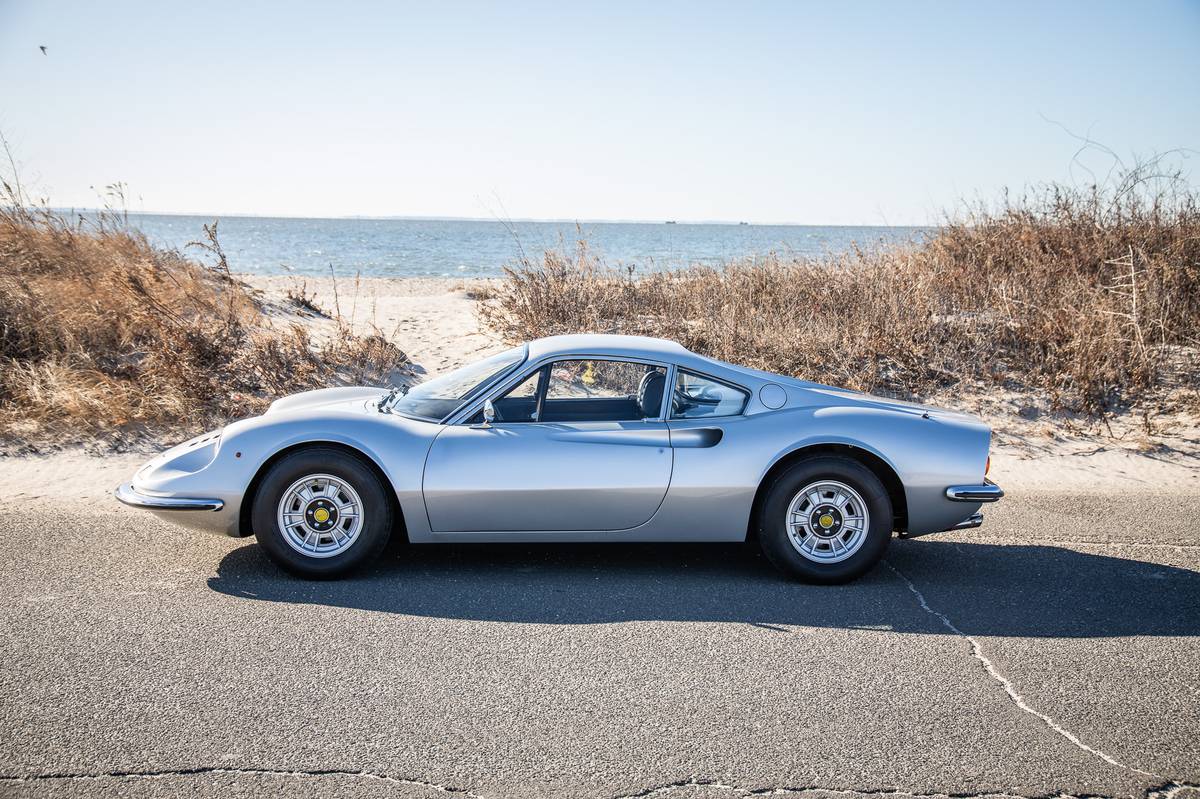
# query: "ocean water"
x,y
475,248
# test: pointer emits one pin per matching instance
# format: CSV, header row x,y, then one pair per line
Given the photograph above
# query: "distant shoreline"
x,y
481,248
498,220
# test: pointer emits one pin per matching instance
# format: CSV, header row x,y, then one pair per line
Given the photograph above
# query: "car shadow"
x,y
986,589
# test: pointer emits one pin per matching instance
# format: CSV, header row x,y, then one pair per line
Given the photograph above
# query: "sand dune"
x,y
433,321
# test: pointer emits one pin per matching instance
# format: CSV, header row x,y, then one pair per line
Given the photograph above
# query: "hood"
x,y
325,397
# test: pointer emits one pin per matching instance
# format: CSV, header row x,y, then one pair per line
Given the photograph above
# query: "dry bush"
x,y
1079,296
304,302
103,334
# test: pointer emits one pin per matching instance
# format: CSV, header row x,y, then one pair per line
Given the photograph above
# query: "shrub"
x,y
1078,295
104,334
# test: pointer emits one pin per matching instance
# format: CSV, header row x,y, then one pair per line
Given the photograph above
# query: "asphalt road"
x,y
1054,651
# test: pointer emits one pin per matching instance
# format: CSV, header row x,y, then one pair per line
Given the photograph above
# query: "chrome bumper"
x,y
127,494
987,492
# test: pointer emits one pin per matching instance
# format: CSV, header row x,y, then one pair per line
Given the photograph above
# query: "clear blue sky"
x,y
822,113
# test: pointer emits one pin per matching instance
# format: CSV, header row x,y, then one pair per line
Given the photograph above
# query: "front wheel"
x,y
321,513
825,519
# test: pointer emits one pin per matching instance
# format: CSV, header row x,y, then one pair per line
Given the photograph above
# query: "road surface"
x,y
1056,650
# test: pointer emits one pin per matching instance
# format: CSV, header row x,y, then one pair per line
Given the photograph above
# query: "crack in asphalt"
x,y
253,772
1010,689
1167,790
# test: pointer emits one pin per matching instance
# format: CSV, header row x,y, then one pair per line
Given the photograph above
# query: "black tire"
x,y
772,519
376,526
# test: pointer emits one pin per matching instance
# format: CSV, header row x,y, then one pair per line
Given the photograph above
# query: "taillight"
x,y
988,467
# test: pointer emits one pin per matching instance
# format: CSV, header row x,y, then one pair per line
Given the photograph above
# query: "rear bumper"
x,y
127,494
985,492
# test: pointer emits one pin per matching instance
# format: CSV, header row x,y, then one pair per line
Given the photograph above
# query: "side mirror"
x,y
489,416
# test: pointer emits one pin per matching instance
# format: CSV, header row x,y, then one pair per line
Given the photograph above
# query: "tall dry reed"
x,y
104,335
1082,296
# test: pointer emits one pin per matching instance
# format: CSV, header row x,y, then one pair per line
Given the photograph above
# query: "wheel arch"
x,y
251,493
878,466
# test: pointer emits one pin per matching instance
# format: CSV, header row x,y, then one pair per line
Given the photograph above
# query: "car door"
x,y
593,455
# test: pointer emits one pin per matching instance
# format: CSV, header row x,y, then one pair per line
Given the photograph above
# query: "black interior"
x,y
650,393
645,405
513,409
573,409
591,409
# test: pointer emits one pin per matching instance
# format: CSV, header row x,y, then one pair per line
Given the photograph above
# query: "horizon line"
x,y
436,218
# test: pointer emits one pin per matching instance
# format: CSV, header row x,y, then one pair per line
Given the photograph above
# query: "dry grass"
x,y
1087,299
304,302
103,335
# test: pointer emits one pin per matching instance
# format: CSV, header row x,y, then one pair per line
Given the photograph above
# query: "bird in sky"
x,y
42,47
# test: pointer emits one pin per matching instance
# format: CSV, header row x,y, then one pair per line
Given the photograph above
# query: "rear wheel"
x,y
321,513
825,519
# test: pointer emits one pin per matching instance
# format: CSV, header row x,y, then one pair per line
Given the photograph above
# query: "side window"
x,y
602,391
696,397
526,389
518,405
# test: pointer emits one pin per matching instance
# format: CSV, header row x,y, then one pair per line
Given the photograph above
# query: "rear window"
x,y
697,397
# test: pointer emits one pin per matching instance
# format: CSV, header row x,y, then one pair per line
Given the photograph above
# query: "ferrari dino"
x,y
581,438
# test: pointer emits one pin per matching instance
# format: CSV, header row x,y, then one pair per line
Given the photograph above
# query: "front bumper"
x,y
127,494
970,495
987,492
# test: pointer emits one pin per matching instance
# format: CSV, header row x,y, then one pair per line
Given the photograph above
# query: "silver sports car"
x,y
581,438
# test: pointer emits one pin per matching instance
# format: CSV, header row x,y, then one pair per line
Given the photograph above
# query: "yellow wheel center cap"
x,y
825,521
322,515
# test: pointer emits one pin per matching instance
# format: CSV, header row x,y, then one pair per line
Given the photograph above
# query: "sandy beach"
x,y
433,321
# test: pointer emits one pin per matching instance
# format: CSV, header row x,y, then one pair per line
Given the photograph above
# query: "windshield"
x,y
437,398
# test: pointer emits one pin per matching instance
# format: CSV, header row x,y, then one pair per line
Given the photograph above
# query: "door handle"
x,y
697,437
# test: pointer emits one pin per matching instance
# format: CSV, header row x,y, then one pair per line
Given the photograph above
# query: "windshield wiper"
x,y
385,404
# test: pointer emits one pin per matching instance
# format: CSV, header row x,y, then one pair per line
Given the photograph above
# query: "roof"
x,y
606,344
655,349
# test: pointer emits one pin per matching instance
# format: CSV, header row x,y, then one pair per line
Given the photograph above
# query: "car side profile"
x,y
581,438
